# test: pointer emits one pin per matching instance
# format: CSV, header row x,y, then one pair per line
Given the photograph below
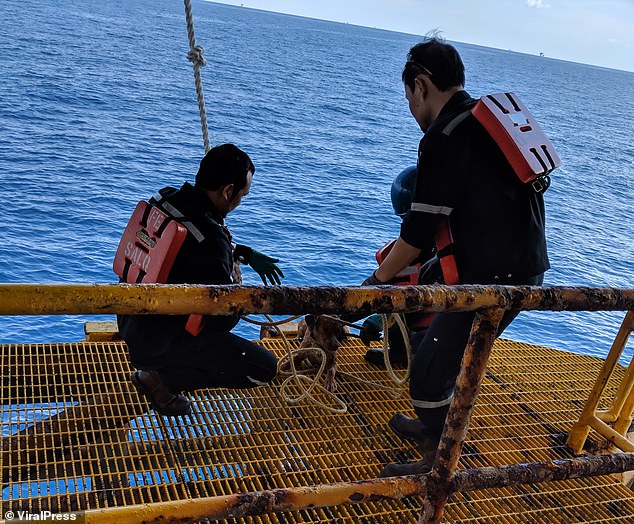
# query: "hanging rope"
x,y
195,56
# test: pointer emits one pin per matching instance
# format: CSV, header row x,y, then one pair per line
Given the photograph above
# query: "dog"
x,y
326,333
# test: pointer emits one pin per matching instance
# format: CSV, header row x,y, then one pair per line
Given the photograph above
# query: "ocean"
x,y
98,110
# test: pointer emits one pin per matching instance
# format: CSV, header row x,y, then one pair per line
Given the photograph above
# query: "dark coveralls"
x,y
216,357
498,229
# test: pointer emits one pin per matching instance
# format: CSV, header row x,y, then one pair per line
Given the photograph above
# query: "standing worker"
x,y
171,355
497,222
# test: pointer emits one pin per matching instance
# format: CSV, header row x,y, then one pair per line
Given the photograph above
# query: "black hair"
x,y
437,59
223,165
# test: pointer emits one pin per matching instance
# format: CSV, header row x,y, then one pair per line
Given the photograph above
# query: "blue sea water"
x,y
98,109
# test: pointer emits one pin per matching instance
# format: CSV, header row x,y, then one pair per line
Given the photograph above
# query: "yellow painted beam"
x,y
59,299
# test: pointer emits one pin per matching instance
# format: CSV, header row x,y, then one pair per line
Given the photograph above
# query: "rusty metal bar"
x,y
474,363
548,471
292,499
257,503
56,299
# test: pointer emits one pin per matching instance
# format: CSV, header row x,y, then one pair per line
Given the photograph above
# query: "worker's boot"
x,y
429,447
376,357
164,402
414,430
409,428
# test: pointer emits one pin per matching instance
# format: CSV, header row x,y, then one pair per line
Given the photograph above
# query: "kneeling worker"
x,y
172,355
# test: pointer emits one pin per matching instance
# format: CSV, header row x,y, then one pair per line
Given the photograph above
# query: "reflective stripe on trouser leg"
x,y
426,404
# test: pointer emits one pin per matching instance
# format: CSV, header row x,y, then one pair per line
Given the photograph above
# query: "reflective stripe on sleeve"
x,y
434,210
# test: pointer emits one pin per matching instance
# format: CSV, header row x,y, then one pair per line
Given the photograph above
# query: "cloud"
x,y
612,40
537,4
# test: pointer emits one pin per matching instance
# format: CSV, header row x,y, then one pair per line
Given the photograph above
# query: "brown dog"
x,y
325,333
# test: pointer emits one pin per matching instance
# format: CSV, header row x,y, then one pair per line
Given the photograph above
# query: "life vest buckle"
x,y
541,184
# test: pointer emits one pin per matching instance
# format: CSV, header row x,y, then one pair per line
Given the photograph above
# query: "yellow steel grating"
x,y
76,436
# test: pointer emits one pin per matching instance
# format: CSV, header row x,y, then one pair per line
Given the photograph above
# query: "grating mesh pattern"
x,y
76,436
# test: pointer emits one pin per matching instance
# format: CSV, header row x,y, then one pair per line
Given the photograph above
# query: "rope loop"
x,y
195,56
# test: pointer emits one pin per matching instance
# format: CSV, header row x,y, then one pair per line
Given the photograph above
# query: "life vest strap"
x,y
445,252
159,201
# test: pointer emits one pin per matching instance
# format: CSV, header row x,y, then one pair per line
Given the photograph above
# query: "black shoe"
x,y
376,356
414,468
428,447
411,429
150,385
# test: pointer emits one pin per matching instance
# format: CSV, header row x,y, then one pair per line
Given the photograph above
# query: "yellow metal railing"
x,y
622,408
489,302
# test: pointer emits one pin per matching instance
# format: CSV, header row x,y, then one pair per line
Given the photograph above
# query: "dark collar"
x,y
201,203
459,102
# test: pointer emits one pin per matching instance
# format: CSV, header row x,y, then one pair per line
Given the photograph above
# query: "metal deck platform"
x,y
77,436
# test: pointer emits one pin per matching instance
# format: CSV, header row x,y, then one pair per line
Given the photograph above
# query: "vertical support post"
x,y
623,405
474,364
580,430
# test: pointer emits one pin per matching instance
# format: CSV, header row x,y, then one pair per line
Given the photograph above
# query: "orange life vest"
x,y
148,248
519,136
410,275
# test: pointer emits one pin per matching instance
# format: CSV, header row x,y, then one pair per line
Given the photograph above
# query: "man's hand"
x,y
265,267
372,281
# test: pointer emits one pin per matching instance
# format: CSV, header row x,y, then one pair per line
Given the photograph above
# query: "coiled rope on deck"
x,y
307,384
294,376
195,56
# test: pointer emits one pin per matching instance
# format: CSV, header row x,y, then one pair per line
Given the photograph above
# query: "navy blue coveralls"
x,y
498,227
216,357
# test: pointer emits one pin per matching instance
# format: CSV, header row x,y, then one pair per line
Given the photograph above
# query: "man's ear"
x,y
227,192
419,82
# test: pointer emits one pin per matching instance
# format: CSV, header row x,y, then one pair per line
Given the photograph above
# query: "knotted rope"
x,y
195,56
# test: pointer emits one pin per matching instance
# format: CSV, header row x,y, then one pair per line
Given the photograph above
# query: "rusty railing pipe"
x,y
293,499
91,299
472,369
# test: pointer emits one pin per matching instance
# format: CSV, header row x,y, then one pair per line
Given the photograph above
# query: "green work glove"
x,y
265,267
371,329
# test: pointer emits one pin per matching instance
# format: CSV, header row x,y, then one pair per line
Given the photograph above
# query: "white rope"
x,y
195,56
297,378
386,347
288,360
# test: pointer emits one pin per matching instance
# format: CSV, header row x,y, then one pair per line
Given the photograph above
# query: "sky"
x,y
597,32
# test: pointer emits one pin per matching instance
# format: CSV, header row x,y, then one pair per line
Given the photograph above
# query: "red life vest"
x,y
148,248
410,275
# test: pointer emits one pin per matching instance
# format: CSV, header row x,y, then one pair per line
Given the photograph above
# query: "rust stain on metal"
x,y
56,299
468,384
503,476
